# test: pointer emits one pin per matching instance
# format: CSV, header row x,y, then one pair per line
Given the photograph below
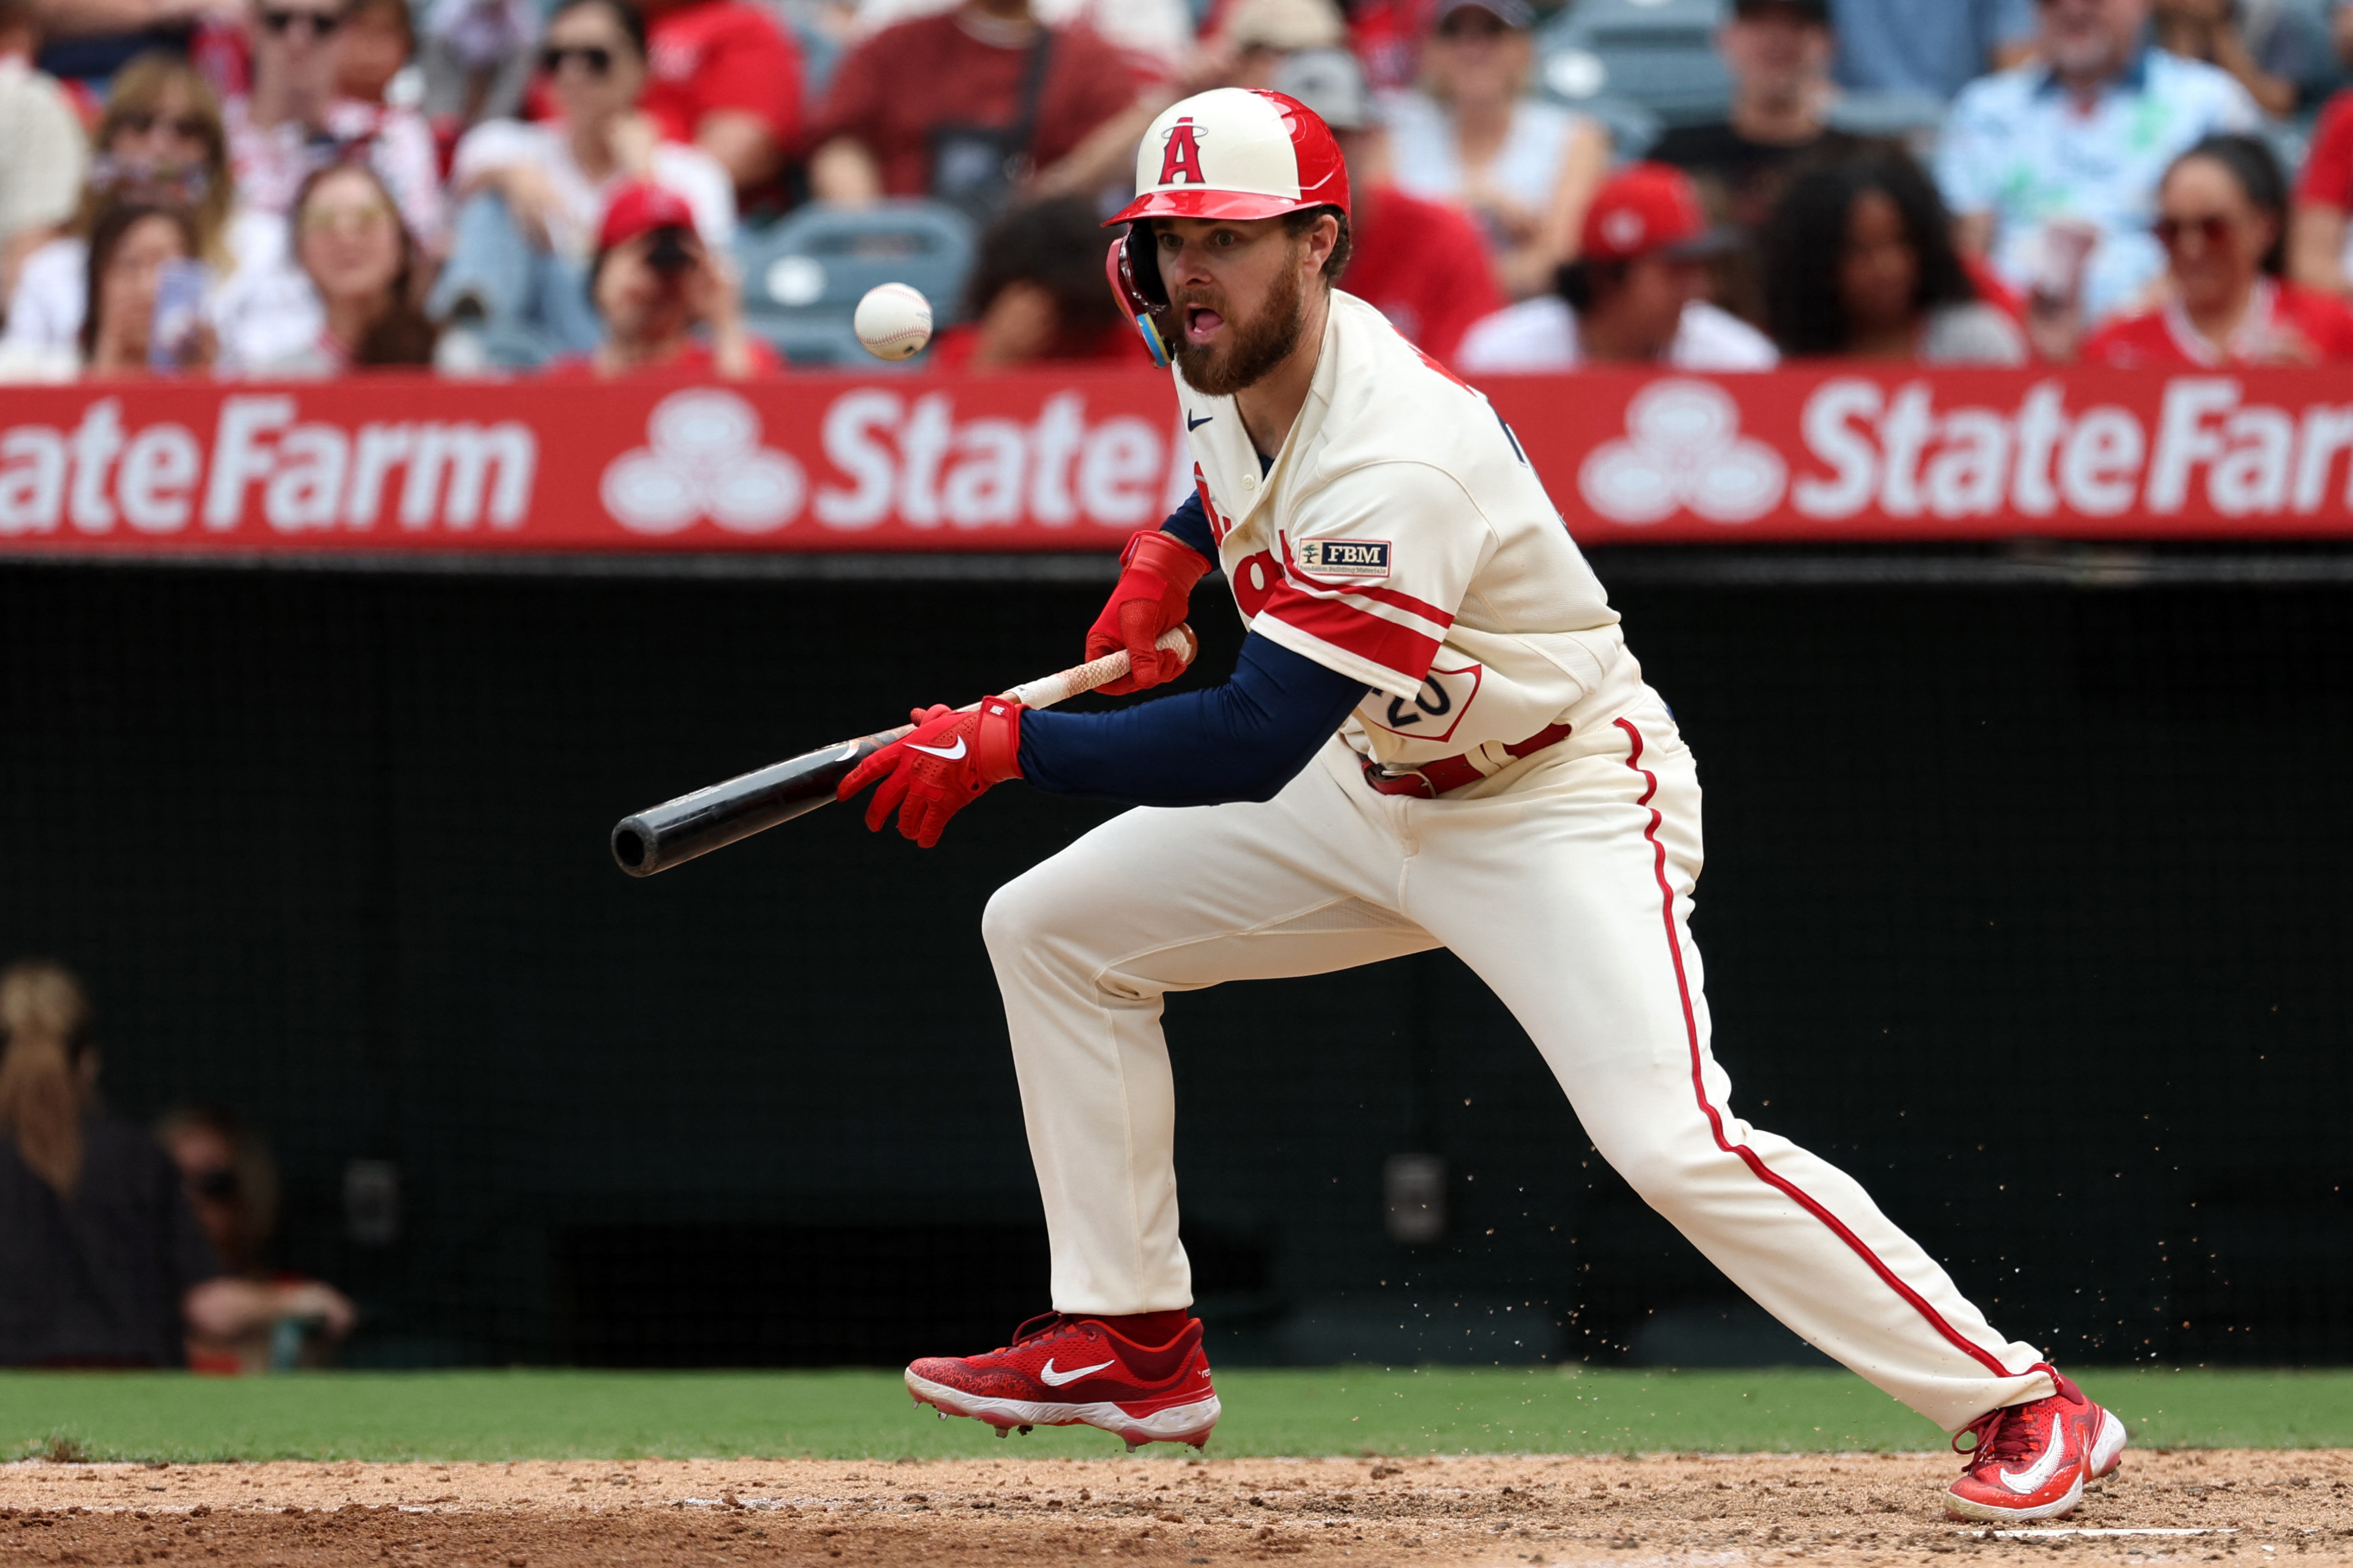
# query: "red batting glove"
x,y
1155,588
941,767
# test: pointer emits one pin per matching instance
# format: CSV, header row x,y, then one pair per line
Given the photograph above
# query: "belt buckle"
x,y
1378,775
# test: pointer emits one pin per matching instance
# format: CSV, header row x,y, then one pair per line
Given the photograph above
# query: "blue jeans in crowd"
x,y
534,304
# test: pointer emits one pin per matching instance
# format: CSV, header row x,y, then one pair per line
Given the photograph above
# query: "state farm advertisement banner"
x,y
1076,461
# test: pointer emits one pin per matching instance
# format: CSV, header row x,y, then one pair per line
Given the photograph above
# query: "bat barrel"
x,y
677,831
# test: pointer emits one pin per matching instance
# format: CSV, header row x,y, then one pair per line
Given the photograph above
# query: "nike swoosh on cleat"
x,y
950,753
1193,424
1052,1379
2033,1476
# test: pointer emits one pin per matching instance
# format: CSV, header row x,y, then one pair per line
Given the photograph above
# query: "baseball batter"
x,y
1434,736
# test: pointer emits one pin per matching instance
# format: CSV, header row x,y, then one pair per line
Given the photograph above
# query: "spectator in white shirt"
x,y
530,195
294,122
1474,136
161,141
1636,295
42,175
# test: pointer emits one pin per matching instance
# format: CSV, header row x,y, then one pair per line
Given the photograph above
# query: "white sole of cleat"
x,y
1177,1423
2108,1447
1962,1508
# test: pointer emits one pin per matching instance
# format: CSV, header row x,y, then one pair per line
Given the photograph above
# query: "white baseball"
x,y
894,321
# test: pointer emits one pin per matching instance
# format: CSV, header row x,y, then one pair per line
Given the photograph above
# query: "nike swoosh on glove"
x,y
940,767
1158,571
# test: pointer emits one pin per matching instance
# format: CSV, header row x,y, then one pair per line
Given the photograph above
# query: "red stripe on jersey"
x,y
1367,635
1390,596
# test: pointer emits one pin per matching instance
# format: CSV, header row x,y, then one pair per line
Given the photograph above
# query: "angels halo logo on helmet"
x,y
1232,151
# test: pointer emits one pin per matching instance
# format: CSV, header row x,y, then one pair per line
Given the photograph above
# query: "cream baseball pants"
x,y
1565,882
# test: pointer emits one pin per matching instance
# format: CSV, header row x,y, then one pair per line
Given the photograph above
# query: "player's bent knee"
x,y
1027,913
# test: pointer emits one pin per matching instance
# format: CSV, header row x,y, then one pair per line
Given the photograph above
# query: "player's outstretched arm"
x,y
1241,741
1157,570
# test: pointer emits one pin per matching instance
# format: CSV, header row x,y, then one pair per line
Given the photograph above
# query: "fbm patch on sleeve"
x,y
1364,559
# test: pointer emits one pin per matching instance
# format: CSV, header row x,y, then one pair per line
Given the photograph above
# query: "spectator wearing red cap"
x,y
1420,263
1635,295
1000,104
656,287
727,78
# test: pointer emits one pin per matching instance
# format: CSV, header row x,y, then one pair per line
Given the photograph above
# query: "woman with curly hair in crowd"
x,y
2221,216
1859,263
349,240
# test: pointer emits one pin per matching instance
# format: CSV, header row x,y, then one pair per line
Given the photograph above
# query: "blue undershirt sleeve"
x,y
1241,741
1190,525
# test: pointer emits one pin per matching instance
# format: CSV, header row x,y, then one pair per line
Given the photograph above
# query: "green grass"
x,y
867,1415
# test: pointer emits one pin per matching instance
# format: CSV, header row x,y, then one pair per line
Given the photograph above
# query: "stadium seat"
x,y
803,277
1657,55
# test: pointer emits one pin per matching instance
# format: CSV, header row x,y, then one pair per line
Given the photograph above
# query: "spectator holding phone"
x,y
133,250
349,241
668,305
1859,263
2221,214
530,196
160,143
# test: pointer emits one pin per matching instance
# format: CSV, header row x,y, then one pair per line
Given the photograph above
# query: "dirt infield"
x,y
2247,1507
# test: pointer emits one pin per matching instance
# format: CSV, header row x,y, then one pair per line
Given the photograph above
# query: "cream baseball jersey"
x,y
1402,538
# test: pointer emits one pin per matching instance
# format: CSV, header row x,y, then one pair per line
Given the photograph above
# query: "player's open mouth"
x,y
1201,323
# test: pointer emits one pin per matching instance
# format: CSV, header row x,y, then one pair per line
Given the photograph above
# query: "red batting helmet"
x,y
1231,151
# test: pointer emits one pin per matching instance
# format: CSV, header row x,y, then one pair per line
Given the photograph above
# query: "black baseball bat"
x,y
718,814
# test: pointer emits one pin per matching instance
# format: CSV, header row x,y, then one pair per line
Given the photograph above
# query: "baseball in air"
x,y
894,321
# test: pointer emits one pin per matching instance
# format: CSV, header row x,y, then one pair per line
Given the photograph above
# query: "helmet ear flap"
x,y
1134,276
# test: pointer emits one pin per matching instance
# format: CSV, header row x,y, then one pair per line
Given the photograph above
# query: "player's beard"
x,y
1251,349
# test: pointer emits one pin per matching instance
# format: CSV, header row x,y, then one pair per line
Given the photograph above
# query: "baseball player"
x,y
1434,736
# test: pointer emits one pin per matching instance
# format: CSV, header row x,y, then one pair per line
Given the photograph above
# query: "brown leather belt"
x,y
1448,774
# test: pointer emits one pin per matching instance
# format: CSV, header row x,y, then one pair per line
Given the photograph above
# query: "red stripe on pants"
x,y
1748,1156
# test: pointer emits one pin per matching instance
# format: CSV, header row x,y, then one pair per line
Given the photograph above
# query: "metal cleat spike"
x,y
1024,1431
1134,1448
1005,1431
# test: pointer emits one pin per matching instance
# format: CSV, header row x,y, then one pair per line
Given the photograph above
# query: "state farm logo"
x,y
703,459
1683,449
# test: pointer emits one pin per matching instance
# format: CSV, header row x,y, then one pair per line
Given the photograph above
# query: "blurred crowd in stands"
x,y
127,1247
588,189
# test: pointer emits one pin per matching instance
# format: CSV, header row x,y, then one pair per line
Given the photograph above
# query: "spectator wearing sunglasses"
x,y
161,142
296,122
530,195
2221,216
2050,168
276,1320
364,270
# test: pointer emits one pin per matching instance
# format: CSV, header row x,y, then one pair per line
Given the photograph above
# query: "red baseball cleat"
x,y
1063,1371
2031,1460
